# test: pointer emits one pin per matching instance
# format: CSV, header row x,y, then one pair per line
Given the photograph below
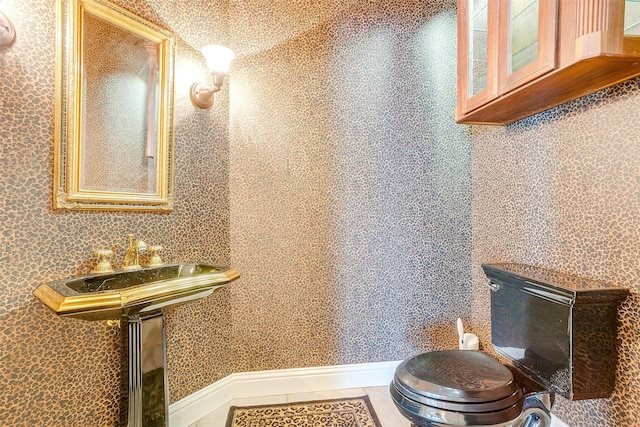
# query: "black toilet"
x,y
542,323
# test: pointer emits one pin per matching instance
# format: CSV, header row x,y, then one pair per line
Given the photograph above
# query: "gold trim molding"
x,y
70,122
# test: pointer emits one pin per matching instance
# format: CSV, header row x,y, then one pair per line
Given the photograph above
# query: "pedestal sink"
x,y
136,298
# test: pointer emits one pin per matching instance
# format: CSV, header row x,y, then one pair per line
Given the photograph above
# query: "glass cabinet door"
x,y
632,18
477,53
527,41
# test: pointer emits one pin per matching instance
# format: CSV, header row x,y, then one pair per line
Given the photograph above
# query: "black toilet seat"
x,y
468,381
473,407
454,387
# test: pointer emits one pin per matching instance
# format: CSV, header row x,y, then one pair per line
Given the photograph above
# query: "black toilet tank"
x,y
557,329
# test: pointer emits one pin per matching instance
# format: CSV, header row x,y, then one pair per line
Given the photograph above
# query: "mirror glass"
x,y
114,108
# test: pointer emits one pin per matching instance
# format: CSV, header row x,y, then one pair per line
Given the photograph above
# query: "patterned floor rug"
x,y
351,412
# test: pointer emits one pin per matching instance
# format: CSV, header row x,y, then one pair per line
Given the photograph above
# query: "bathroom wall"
x,y
350,202
322,202
342,191
65,372
350,183
562,190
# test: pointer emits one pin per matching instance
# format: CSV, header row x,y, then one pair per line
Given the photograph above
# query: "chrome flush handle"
x,y
493,286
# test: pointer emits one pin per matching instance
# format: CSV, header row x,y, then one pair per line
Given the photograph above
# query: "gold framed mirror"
x,y
114,109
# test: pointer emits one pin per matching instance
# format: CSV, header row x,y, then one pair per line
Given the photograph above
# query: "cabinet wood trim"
x,y
599,29
555,88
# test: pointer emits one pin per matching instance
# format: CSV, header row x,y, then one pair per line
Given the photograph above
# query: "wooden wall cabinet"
x,y
517,58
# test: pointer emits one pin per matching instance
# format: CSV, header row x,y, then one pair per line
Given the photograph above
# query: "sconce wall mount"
x,y
7,31
202,95
218,61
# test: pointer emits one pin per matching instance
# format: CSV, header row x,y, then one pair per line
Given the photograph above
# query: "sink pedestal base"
x,y
136,298
145,395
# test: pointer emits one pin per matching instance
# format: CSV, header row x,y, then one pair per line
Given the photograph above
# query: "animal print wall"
x,y
339,186
65,372
562,190
350,183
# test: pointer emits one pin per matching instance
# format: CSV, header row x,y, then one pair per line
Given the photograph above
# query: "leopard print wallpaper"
x,y
330,173
562,190
350,183
65,372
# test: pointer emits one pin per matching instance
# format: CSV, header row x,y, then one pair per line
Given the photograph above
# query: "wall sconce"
x,y
218,61
7,31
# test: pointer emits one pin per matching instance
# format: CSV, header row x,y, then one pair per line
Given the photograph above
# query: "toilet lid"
x,y
457,376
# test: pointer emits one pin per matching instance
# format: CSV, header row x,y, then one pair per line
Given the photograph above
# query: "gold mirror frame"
x,y
69,121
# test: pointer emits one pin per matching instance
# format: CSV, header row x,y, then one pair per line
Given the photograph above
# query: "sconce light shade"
x,y
7,31
218,61
218,58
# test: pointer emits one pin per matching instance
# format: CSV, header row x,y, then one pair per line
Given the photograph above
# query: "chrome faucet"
x,y
132,256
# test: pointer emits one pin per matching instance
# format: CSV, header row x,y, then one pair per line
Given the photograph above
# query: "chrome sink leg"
x,y
146,366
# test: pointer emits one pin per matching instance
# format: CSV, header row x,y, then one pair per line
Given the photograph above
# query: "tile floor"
x,y
379,397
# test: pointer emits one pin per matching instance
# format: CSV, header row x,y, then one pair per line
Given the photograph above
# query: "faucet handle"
x,y
154,258
103,265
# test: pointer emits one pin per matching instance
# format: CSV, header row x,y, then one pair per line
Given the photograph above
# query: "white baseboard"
x,y
557,422
187,411
272,383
